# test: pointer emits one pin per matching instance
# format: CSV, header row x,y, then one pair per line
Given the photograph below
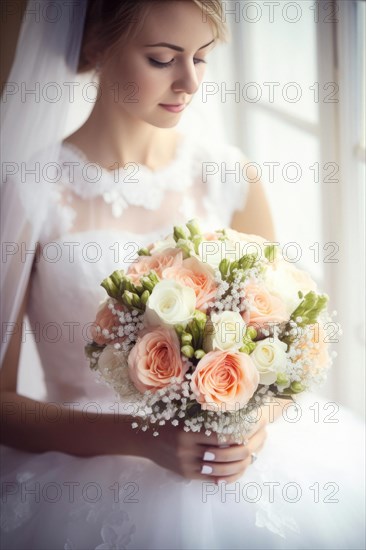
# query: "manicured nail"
x,y
208,456
206,469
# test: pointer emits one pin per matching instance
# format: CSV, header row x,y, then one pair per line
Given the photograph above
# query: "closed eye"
x,y
162,65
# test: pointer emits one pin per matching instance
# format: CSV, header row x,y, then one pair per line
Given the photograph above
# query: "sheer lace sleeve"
x,y
23,213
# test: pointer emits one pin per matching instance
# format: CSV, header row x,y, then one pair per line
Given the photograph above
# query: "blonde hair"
x,y
110,22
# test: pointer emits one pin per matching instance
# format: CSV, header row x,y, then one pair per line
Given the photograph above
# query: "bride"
x,y
74,473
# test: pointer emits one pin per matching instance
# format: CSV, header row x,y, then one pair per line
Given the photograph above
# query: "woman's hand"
x,y
195,455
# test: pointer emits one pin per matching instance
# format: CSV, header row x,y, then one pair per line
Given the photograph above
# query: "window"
x,y
293,98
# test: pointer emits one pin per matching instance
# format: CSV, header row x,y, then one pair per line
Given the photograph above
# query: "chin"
x,y
164,124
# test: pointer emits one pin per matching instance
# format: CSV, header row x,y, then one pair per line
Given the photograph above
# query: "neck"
x,y
112,141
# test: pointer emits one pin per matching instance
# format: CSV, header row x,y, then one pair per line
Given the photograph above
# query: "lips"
x,y
177,108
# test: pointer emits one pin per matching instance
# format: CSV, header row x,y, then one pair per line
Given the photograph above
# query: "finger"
x,y
223,469
236,452
229,454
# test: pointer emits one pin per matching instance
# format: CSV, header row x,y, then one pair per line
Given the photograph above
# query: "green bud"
x,y
247,261
244,349
186,247
110,287
234,265
196,240
136,302
297,387
194,329
144,297
251,333
117,277
147,284
199,353
180,233
282,379
194,228
310,300
200,316
153,277
127,298
322,302
144,252
270,252
187,351
138,289
251,346
179,329
186,338
128,285
224,267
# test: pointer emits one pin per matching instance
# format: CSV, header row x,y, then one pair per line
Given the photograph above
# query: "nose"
x,y
186,79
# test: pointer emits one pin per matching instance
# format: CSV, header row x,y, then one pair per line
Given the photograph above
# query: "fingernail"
x,y
208,456
206,469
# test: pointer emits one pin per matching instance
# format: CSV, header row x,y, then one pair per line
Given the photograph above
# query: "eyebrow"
x,y
173,47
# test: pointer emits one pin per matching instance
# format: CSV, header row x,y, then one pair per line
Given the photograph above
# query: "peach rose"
x,y
264,307
224,378
158,262
210,236
235,236
106,324
195,275
155,359
318,350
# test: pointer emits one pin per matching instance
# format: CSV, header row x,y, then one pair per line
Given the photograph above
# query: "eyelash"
x,y
161,65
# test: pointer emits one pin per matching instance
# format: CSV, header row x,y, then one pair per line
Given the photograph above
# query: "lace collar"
x,y
89,179
133,184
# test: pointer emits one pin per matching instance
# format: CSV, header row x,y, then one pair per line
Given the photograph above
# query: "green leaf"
x,y
270,252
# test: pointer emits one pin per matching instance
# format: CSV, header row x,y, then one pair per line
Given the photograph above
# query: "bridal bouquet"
x,y
203,329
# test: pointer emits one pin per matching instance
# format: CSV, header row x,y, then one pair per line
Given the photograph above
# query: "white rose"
x,y
225,332
170,303
159,246
270,359
285,281
212,252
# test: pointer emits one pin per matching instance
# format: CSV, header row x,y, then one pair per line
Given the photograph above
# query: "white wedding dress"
x,y
305,489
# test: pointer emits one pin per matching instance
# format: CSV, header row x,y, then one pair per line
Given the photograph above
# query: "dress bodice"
x,y
97,220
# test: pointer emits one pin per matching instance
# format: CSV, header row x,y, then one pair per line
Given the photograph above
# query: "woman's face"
x,y
144,78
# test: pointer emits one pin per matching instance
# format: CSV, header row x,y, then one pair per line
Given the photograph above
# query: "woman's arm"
x,y
27,424
255,215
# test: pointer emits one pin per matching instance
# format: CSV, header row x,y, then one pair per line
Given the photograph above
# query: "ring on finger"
x,y
253,457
